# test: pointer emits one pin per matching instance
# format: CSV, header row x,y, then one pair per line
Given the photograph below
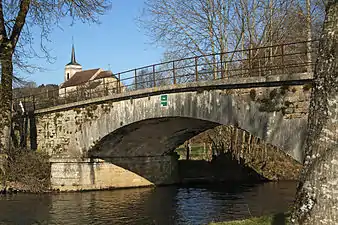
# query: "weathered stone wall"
x,y
73,174
292,101
124,125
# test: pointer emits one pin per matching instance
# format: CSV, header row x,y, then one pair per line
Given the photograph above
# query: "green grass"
x,y
197,151
278,219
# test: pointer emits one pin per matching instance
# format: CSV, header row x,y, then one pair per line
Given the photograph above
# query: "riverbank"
x,y
277,219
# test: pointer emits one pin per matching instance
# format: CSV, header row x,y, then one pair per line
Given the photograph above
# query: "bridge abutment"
x,y
74,174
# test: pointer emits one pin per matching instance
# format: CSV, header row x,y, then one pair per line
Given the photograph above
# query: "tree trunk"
x,y
5,97
317,194
187,149
309,36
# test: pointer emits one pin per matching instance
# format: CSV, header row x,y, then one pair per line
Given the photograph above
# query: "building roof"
x,y
104,74
85,75
80,77
72,58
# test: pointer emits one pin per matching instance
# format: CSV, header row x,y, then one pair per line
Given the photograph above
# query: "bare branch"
x,y
19,22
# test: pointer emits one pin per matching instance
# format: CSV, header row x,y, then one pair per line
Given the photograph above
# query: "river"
x,y
197,204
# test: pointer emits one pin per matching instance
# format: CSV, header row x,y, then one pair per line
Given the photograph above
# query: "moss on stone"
x,y
284,89
307,87
273,94
253,94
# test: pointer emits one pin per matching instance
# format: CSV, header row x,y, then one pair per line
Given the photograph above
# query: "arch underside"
x,y
151,137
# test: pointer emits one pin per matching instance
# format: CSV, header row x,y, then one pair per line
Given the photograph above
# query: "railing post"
x,y
222,70
24,103
249,71
77,93
135,76
90,90
154,76
259,66
270,59
104,87
174,72
33,96
55,99
196,68
119,83
283,65
65,95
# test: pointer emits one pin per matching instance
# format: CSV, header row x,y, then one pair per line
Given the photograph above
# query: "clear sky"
x,y
117,42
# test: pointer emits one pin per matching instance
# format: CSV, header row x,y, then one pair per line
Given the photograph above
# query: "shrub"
x,y
28,170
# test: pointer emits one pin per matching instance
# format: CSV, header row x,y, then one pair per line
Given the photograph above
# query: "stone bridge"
x,y
136,133
135,124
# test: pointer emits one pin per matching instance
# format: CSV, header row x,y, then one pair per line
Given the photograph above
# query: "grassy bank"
x,y
277,219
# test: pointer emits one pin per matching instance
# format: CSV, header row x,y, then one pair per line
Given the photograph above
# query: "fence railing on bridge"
x,y
261,61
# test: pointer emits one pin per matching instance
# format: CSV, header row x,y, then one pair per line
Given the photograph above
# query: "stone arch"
x,y
214,106
150,137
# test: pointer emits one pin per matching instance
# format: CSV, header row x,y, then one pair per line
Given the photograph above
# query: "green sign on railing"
x,y
164,100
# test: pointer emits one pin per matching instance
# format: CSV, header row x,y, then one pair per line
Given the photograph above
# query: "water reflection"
x,y
165,205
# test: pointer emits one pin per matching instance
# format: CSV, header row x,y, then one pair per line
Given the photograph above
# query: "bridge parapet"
x,y
250,88
266,61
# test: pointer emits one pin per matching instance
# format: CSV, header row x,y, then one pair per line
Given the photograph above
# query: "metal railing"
x,y
262,61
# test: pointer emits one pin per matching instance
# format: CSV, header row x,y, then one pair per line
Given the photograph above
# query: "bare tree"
x,y
201,27
317,195
144,79
17,20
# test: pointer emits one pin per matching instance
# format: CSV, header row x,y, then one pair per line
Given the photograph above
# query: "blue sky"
x,y
117,42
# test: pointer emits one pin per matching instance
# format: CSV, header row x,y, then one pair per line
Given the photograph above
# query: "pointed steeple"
x,y
73,60
72,57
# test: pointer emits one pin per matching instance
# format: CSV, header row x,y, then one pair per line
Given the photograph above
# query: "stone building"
x,y
88,83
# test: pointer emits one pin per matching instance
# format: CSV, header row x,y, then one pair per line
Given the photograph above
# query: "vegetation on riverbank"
x,y
277,219
27,171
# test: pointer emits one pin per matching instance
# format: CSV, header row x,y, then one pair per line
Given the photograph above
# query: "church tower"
x,y
72,67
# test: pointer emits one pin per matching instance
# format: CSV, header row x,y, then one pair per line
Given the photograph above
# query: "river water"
x,y
198,204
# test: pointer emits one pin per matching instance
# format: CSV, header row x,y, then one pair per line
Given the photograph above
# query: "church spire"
x,y
72,57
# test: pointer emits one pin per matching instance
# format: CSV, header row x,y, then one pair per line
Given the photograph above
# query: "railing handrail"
x,y
215,54
215,63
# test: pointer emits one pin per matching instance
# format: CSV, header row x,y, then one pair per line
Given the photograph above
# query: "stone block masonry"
x,y
73,174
